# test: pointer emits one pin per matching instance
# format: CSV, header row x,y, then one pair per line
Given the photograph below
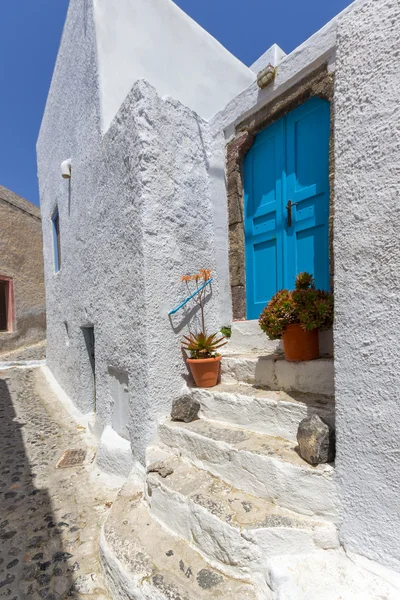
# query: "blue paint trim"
x,y
172,312
56,235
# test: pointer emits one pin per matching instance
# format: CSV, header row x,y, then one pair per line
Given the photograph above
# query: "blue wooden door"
x,y
287,165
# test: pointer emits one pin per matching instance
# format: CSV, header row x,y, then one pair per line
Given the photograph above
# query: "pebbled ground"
x,y
49,518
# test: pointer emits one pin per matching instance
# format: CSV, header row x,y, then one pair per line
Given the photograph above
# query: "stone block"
x,y
185,409
316,441
238,302
160,467
235,209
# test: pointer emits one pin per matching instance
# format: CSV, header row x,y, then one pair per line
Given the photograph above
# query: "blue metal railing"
x,y
172,312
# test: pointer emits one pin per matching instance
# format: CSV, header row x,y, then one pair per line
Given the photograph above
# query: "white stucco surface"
x,y
147,204
114,454
135,216
367,278
272,56
157,41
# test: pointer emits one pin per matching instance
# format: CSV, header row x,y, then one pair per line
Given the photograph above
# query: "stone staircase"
x,y
227,493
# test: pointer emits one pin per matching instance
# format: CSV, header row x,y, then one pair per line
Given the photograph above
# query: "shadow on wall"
x,y
32,559
189,316
185,320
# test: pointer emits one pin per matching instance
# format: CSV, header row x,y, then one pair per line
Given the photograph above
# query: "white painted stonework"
x,y
367,221
158,42
114,455
247,337
144,102
273,56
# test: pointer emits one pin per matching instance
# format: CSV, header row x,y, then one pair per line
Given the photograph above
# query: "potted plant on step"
x,y
297,316
204,361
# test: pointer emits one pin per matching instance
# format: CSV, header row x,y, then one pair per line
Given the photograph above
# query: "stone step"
x,y
264,466
274,372
275,413
144,560
228,525
331,575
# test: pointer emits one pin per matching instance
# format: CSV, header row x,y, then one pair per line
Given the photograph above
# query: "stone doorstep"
x,y
274,372
274,413
246,530
144,560
259,464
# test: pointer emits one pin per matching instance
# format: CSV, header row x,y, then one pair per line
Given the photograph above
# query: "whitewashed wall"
x,y
135,216
155,40
367,278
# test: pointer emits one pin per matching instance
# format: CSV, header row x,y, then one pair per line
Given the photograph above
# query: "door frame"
x,y
320,84
89,338
10,301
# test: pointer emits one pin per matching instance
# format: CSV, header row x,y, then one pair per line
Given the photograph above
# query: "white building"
x,y
180,161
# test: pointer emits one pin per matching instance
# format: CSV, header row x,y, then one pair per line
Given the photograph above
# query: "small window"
x,y
56,239
6,304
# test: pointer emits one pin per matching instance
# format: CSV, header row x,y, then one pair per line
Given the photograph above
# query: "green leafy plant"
x,y
311,308
227,332
201,345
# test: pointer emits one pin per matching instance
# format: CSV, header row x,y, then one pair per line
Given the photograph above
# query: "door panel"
x,y
307,164
263,177
288,161
265,253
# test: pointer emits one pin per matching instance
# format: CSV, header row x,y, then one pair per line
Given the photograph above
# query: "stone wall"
x,y
320,83
21,259
367,278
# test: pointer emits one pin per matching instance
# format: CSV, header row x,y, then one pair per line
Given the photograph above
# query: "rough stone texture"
x,y
21,258
135,216
160,467
316,441
239,456
185,408
319,83
144,561
275,413
49,519
367,278
246,530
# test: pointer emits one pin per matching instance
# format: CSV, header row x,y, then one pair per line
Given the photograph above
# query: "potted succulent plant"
x,y
204,361
297,316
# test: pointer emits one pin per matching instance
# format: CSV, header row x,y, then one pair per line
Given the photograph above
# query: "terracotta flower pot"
x,y
299,344
205,371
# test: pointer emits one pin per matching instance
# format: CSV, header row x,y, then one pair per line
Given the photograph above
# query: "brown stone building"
x,y
22,293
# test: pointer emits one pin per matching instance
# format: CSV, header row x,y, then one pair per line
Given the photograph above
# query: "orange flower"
x,y
206,274
196,277
186,278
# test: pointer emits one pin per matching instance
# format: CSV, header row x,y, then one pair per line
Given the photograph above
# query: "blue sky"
x,y
30,32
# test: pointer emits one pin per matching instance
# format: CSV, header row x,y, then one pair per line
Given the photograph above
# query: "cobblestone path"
x,y
49,518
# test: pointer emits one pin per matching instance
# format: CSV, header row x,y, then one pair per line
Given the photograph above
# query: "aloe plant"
x,y
201,345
